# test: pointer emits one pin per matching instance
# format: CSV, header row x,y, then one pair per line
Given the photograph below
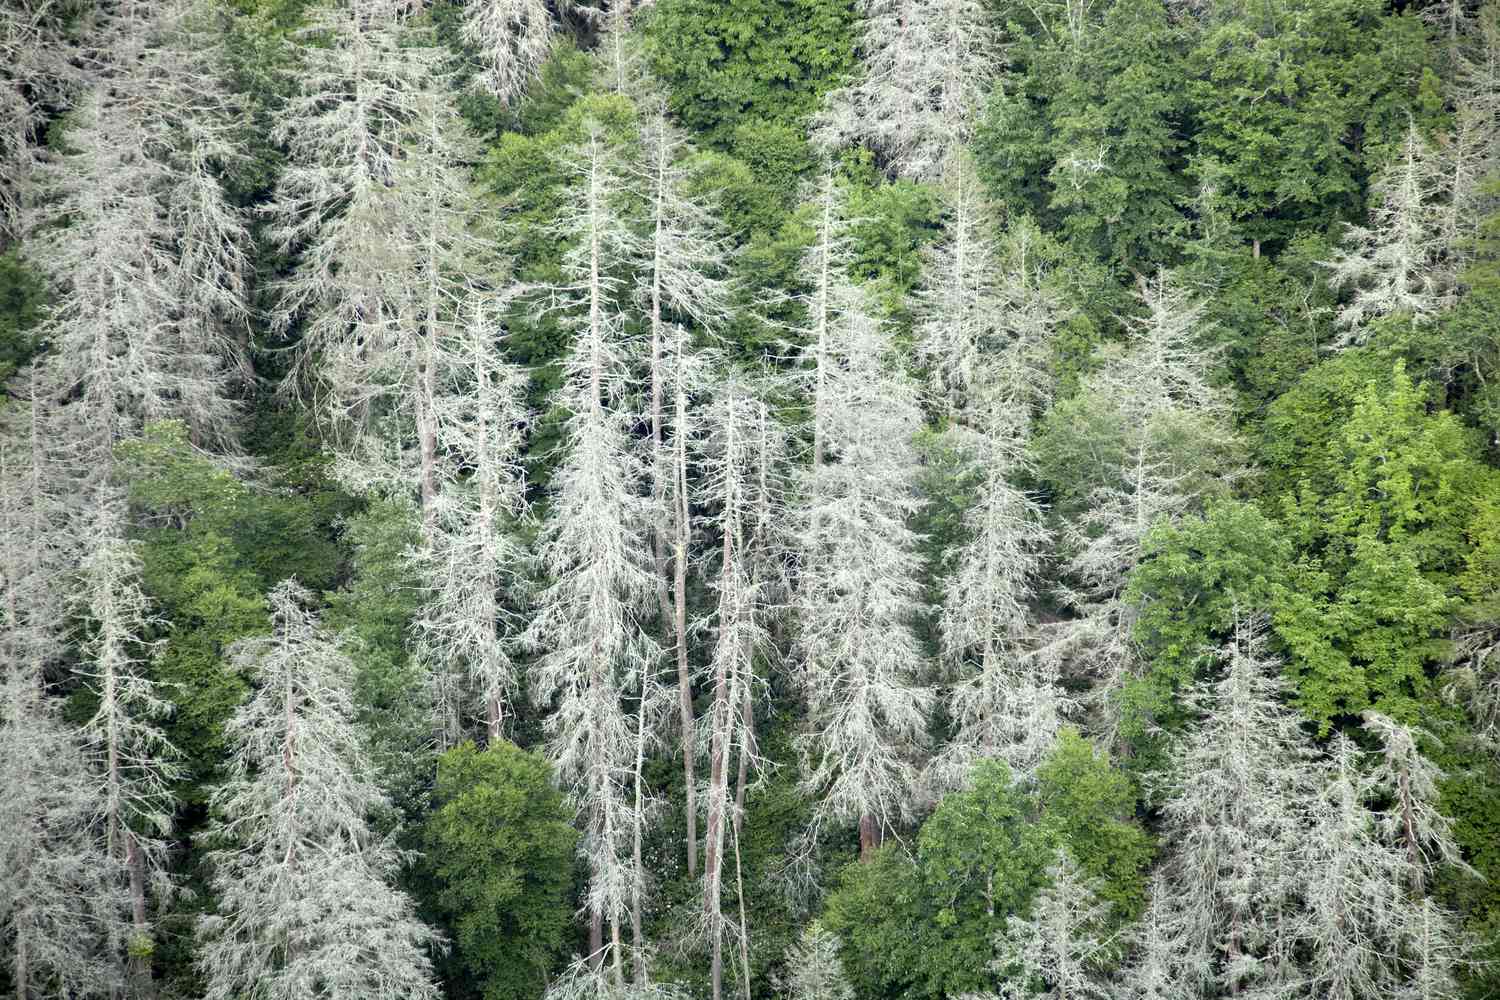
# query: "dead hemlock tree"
x,y
383,382
336,209
514,38
305,900
149,274
438,412
589,616
740,443
39,68
1062,945
959,306
857,595
984,340
925,70
814,969
38,509
1396,264
472,556
134,765
1156,394
1357,910
1242,782
1006,703
986,316
683,281
1413,823
60,890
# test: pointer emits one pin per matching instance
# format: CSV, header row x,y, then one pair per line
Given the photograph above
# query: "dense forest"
x,y
806,499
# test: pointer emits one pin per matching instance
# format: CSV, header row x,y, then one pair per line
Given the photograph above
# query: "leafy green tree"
x,y
210,546
1193,576
1379,520
924,926
374,611
499,856
1087,806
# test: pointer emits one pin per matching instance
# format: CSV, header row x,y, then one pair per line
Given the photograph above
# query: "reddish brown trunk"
x,y
596,941
869,837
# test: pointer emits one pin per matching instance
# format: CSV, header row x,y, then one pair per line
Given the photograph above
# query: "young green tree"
x,y
1379,521
499,847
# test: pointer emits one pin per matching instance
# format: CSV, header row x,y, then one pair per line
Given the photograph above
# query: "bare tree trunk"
x,y
822,332
596,940
679,618
22,969
617,957
739,885
868,838
747,748
637,940
428,416
142,985
718,784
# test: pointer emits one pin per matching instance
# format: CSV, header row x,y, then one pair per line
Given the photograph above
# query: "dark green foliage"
x,y
1379,516
1194,577
22,299
923,925
753,61
211,547
498,869
374,612
1289,98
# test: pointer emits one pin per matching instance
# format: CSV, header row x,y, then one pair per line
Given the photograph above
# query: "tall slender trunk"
x,y
679,608
596,940
142,985
658,451
22,969
713,840
821,327
494,708
637,939
617,953
429,363
747,748
739,878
